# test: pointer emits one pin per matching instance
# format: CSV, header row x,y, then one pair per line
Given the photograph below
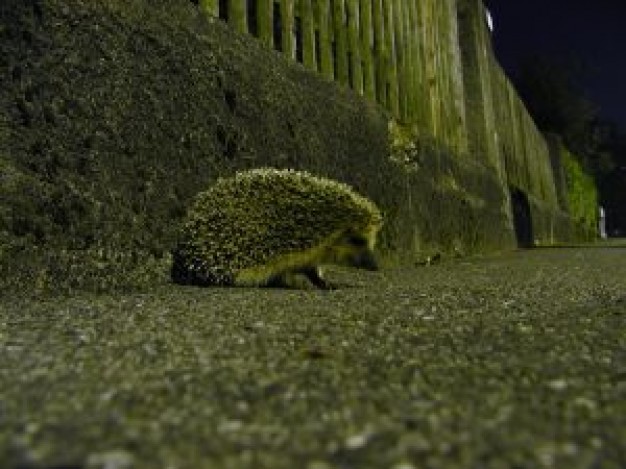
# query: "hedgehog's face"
x,y
353,250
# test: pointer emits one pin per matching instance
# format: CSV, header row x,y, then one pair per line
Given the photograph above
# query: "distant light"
x,y
489,20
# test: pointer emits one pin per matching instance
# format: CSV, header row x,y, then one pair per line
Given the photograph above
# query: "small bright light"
x,y
489,20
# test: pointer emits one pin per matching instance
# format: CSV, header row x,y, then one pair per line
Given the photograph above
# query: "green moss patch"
x,y
582,194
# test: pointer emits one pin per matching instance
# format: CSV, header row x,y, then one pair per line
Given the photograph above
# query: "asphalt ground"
x,y
515,360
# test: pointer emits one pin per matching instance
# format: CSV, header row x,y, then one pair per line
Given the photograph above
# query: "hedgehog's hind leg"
x,y
314,275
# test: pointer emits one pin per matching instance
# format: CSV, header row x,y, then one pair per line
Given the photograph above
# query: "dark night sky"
x,y
592,32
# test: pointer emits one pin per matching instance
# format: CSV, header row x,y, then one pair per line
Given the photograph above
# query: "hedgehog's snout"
x,y
354,249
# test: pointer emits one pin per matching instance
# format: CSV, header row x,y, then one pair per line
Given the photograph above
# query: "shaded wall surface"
x,y
114,114
430,64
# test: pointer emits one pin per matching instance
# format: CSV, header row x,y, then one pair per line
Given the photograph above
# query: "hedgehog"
x,y
264,226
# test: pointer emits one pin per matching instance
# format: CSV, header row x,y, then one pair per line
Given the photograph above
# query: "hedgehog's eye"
x,y
357,241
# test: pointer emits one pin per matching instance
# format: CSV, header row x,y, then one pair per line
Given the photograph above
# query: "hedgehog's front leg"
x,y
314,274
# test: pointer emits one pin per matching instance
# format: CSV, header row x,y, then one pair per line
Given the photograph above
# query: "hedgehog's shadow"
x,y
302,283
298,286
307,286
311,279
307,279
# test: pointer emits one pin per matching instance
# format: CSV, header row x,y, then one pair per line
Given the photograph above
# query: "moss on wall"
x,y
576,193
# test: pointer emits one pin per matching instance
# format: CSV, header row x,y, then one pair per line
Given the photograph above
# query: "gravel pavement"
x,y
515,360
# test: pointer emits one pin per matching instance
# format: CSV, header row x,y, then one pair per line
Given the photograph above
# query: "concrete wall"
x,y
503,133
115,113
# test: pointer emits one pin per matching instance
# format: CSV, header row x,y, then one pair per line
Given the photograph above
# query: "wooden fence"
x,y
428,62
403,54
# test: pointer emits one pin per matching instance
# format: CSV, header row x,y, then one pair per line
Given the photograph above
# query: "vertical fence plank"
x,y
431,62
380,65
443,76
210,7
416,77
454,115
410,62
517,150
288,45
354,45
237,15
367,41
308,35
439,51
265,22
398,22
408,72
341,46
325,39
488,81
391,64
423,61
486,96
457,81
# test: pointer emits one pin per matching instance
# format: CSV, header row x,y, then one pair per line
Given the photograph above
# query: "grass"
x,y
514,361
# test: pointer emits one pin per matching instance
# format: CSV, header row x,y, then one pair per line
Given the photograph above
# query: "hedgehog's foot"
x,y
315,277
